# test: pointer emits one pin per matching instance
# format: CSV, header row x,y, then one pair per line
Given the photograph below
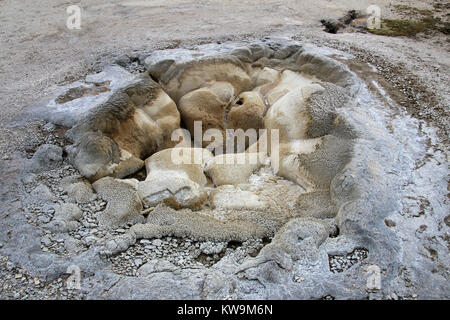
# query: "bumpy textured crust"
x,y
137,120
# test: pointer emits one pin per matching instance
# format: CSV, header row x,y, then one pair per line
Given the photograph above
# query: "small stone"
x,y
49,211
138,262
80,192
46,240
90,240
49,127
86,224
59,239
9,266
389,223
44,219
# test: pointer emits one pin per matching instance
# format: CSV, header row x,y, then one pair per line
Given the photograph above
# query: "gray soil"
x,y
38,54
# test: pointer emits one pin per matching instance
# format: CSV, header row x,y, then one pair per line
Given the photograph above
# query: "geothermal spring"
x,y
300,210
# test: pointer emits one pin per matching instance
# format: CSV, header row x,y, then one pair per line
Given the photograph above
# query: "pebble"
x,y
46,240
138,262
60,240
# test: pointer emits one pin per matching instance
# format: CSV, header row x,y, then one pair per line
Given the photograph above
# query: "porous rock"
x,y
41,194
124,204
175,176
80,192
287,165
176,191
59,225
165,221
317,204
68,212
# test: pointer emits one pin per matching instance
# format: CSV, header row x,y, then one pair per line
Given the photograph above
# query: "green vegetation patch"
x,y
409,28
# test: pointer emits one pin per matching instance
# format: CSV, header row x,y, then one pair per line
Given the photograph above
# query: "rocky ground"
x,y
39,54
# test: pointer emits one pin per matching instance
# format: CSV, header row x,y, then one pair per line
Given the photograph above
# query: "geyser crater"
x,y
325,197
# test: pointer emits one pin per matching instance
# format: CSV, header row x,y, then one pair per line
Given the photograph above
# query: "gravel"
x,y
340,263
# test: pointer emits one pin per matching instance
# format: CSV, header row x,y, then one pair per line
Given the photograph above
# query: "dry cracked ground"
x,y
352,205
